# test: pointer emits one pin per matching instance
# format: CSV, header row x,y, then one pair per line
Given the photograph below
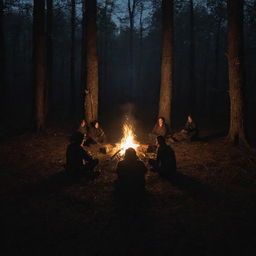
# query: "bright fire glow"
x,y
128,140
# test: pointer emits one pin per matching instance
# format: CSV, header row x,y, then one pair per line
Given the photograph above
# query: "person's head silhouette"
x,y
161,141
130,154
77,137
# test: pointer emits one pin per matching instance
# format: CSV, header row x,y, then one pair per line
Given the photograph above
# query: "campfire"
x,y
128,139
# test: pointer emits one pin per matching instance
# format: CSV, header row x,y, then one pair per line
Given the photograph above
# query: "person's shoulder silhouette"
x,y
76,155
131,172
165,162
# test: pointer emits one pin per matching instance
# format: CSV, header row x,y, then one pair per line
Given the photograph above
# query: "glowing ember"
x,y
128,140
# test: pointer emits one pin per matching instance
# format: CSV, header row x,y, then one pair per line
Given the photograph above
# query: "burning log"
x,y
117,152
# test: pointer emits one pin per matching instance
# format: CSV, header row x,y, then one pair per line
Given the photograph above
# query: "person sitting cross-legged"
x,y
161,129
96,134
83,128
79,162
165,162
190,130
131,174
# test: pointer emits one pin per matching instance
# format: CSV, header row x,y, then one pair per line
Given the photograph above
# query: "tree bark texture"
x,y
192,89
131,12
140,66
2,61
165,100
72,58
92,90
49,52
236,73
39,63
83,58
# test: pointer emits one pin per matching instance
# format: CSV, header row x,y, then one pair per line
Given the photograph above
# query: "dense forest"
x,y
127,127
129,57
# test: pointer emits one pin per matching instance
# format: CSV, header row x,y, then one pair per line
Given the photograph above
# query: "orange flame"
x,y
128,140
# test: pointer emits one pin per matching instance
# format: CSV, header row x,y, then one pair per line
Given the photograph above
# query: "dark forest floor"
x,y
209,210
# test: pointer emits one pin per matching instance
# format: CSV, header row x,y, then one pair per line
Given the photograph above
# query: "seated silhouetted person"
x,y
83,128
190,130
96,134
79,162
161,129
131,174
165,162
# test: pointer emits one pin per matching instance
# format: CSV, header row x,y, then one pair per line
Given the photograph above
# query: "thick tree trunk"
x,y
236,73
165,100
91,95
39,63
2,63
72,59
49,50
192,87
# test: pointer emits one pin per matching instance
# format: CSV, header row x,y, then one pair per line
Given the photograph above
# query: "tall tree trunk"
x,y
92,90
214,100
165,100
83,58
104,51
205,90
2,62
72,58
131,12
140,67
39,63
192,87
216,54
237,133
49,50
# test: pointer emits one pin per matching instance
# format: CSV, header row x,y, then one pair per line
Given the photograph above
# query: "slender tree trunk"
x,y
237,133
104,51
192,89
2,63
49,50
72,58
214,100
165,100
140,67
205,91
131,11
216,54
83,58
39,63
92,90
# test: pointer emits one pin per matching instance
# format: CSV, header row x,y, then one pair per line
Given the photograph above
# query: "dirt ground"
x,y
209,209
